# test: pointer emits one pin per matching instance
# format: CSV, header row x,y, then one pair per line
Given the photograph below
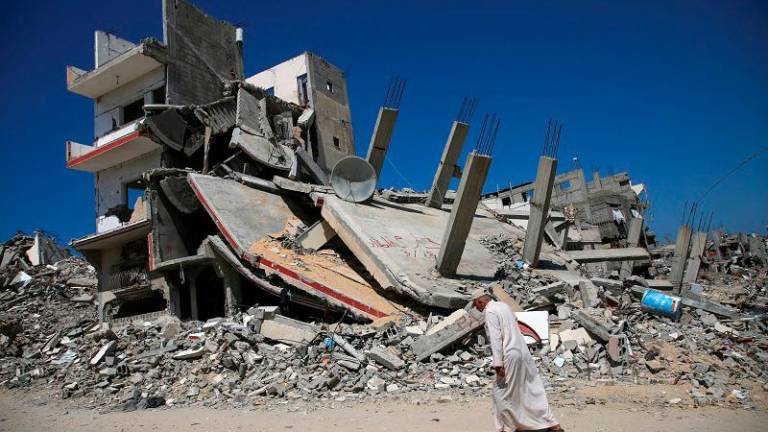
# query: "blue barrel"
x,y
659,303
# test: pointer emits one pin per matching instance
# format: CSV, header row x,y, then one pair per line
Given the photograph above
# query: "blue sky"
x,y
674,92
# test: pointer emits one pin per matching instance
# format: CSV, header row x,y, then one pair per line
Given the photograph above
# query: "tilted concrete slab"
x,y
247,217
324,275
398,244
602,255
243,215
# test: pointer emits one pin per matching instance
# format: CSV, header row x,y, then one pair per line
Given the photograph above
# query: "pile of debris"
x,y
52,339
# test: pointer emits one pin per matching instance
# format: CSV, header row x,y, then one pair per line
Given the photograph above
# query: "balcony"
x,y
122,145
124,68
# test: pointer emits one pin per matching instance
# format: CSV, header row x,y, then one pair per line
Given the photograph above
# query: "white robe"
x,y
520,402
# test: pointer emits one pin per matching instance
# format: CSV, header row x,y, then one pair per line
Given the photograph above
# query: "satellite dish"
x,y
353,179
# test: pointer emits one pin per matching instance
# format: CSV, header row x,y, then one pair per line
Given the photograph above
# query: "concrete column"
x,y
633,239
542,193
194,313
597,183
582,184
232,294
463,213
681,255
563,233
382,134
694,261
447,165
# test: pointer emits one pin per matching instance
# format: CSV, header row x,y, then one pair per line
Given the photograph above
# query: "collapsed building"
x,y
216,191
210,185
228,204
601,208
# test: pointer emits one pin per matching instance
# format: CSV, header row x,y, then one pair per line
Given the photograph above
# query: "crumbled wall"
x,y
202,53
109,182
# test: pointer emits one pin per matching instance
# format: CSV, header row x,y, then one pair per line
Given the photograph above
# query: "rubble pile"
x,y
52,340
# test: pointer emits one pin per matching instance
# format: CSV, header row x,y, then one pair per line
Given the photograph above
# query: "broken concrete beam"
x,y
451,329
287,330
503,297
700,302
592,325
447,166
382,134
589,294
108,348
545,178
603,255
548,290
694,261
681,256
346,346
462,213
315,172
385,358
659,284
190,354
316,236
551,234
611,284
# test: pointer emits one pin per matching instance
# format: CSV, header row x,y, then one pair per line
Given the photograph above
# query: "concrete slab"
x,y
288,331
398,244
323,275
316,236
242,214
602,255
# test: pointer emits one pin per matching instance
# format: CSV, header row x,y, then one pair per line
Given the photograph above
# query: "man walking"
x,y
520,402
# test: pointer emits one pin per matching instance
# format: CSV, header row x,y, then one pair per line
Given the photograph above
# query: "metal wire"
x,y
489,132
551,144
394,94
466,110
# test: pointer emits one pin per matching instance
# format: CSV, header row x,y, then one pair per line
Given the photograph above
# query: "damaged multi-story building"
x,y
216,190
601,208
152,100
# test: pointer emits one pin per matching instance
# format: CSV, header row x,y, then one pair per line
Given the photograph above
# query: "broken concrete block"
x,y
212,323
190,354
589,294
414,330
654,366
286,330
548,290
21,280
82,298
385,358
375,383
263,312
448,331
346,346
106,349
724,329
554,341
578,336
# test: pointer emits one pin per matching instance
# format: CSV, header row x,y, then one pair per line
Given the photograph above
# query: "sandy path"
x,y
19,414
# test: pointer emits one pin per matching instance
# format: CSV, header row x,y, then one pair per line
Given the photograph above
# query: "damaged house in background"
x,y
216,191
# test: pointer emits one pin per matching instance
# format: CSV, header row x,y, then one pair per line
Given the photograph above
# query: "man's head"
x,y
480,299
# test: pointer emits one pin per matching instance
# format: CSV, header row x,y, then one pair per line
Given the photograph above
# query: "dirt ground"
x,y
425,413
